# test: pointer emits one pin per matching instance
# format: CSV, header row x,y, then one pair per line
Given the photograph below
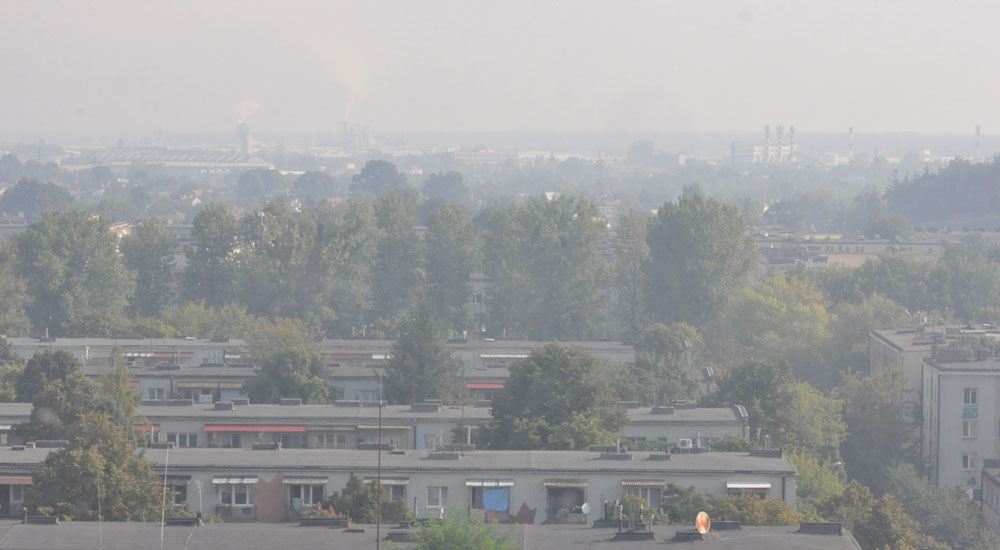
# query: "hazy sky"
x,y
498,65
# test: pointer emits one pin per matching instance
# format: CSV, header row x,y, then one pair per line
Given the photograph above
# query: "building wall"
x,y
946,411
272,497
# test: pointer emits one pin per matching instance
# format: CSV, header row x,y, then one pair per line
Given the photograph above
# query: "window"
x,y
304,496
16,493
179,492
491,498
430,441
233,441
969,461
650,495
396,492
155,394
331,441
969,429
969,396
239,494
183,440
437,497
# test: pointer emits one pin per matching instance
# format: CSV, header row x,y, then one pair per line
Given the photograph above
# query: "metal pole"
x,y
378,475
163,506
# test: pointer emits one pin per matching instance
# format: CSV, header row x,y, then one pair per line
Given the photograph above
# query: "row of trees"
x,y
360,267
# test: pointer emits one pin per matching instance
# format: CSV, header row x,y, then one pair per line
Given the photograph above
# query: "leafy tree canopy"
x,y
378,177
99,463
32,197
700,256
358,500
556,390
459,531
421,368
74,275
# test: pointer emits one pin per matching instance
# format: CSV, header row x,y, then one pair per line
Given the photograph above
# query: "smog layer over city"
x,y
469,275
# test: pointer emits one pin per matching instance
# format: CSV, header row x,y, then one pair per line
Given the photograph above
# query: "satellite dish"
x,y
585,508
702,522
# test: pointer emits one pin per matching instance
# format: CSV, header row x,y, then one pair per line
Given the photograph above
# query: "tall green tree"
x,y
42,369
119,399
74,274
793,414
210,263
880,435
314,186
631,253
453,254
449,187
665,361
784,319
58,406
275,246
13,318
149,253
99,463
945,513
397,269
254,186
421,368
876,523
288,372
32,197
699,256
378,177
547,277
546,394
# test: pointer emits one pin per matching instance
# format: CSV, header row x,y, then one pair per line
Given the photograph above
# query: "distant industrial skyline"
x,y
727,66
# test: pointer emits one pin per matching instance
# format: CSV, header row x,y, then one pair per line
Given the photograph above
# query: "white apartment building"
x,y
960,420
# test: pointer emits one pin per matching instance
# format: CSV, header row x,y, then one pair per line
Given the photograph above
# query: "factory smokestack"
x,y
244,138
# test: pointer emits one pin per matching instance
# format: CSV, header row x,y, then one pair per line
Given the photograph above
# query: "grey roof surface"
x,y
253,536
394,413
682,415
988,365
563,462
15,409
286,413
26,458
155,343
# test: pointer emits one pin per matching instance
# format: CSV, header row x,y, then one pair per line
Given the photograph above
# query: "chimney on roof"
x,y
816,528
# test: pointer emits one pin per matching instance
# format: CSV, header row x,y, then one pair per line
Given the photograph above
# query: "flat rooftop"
x,y
254,536
557,462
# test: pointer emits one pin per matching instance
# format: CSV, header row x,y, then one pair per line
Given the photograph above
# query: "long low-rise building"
x,y
363,353
268,485
348,424
214,369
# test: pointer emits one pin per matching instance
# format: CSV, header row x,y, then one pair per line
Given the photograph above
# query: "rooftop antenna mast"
x,y
850,143
978,150
791,141
767,143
